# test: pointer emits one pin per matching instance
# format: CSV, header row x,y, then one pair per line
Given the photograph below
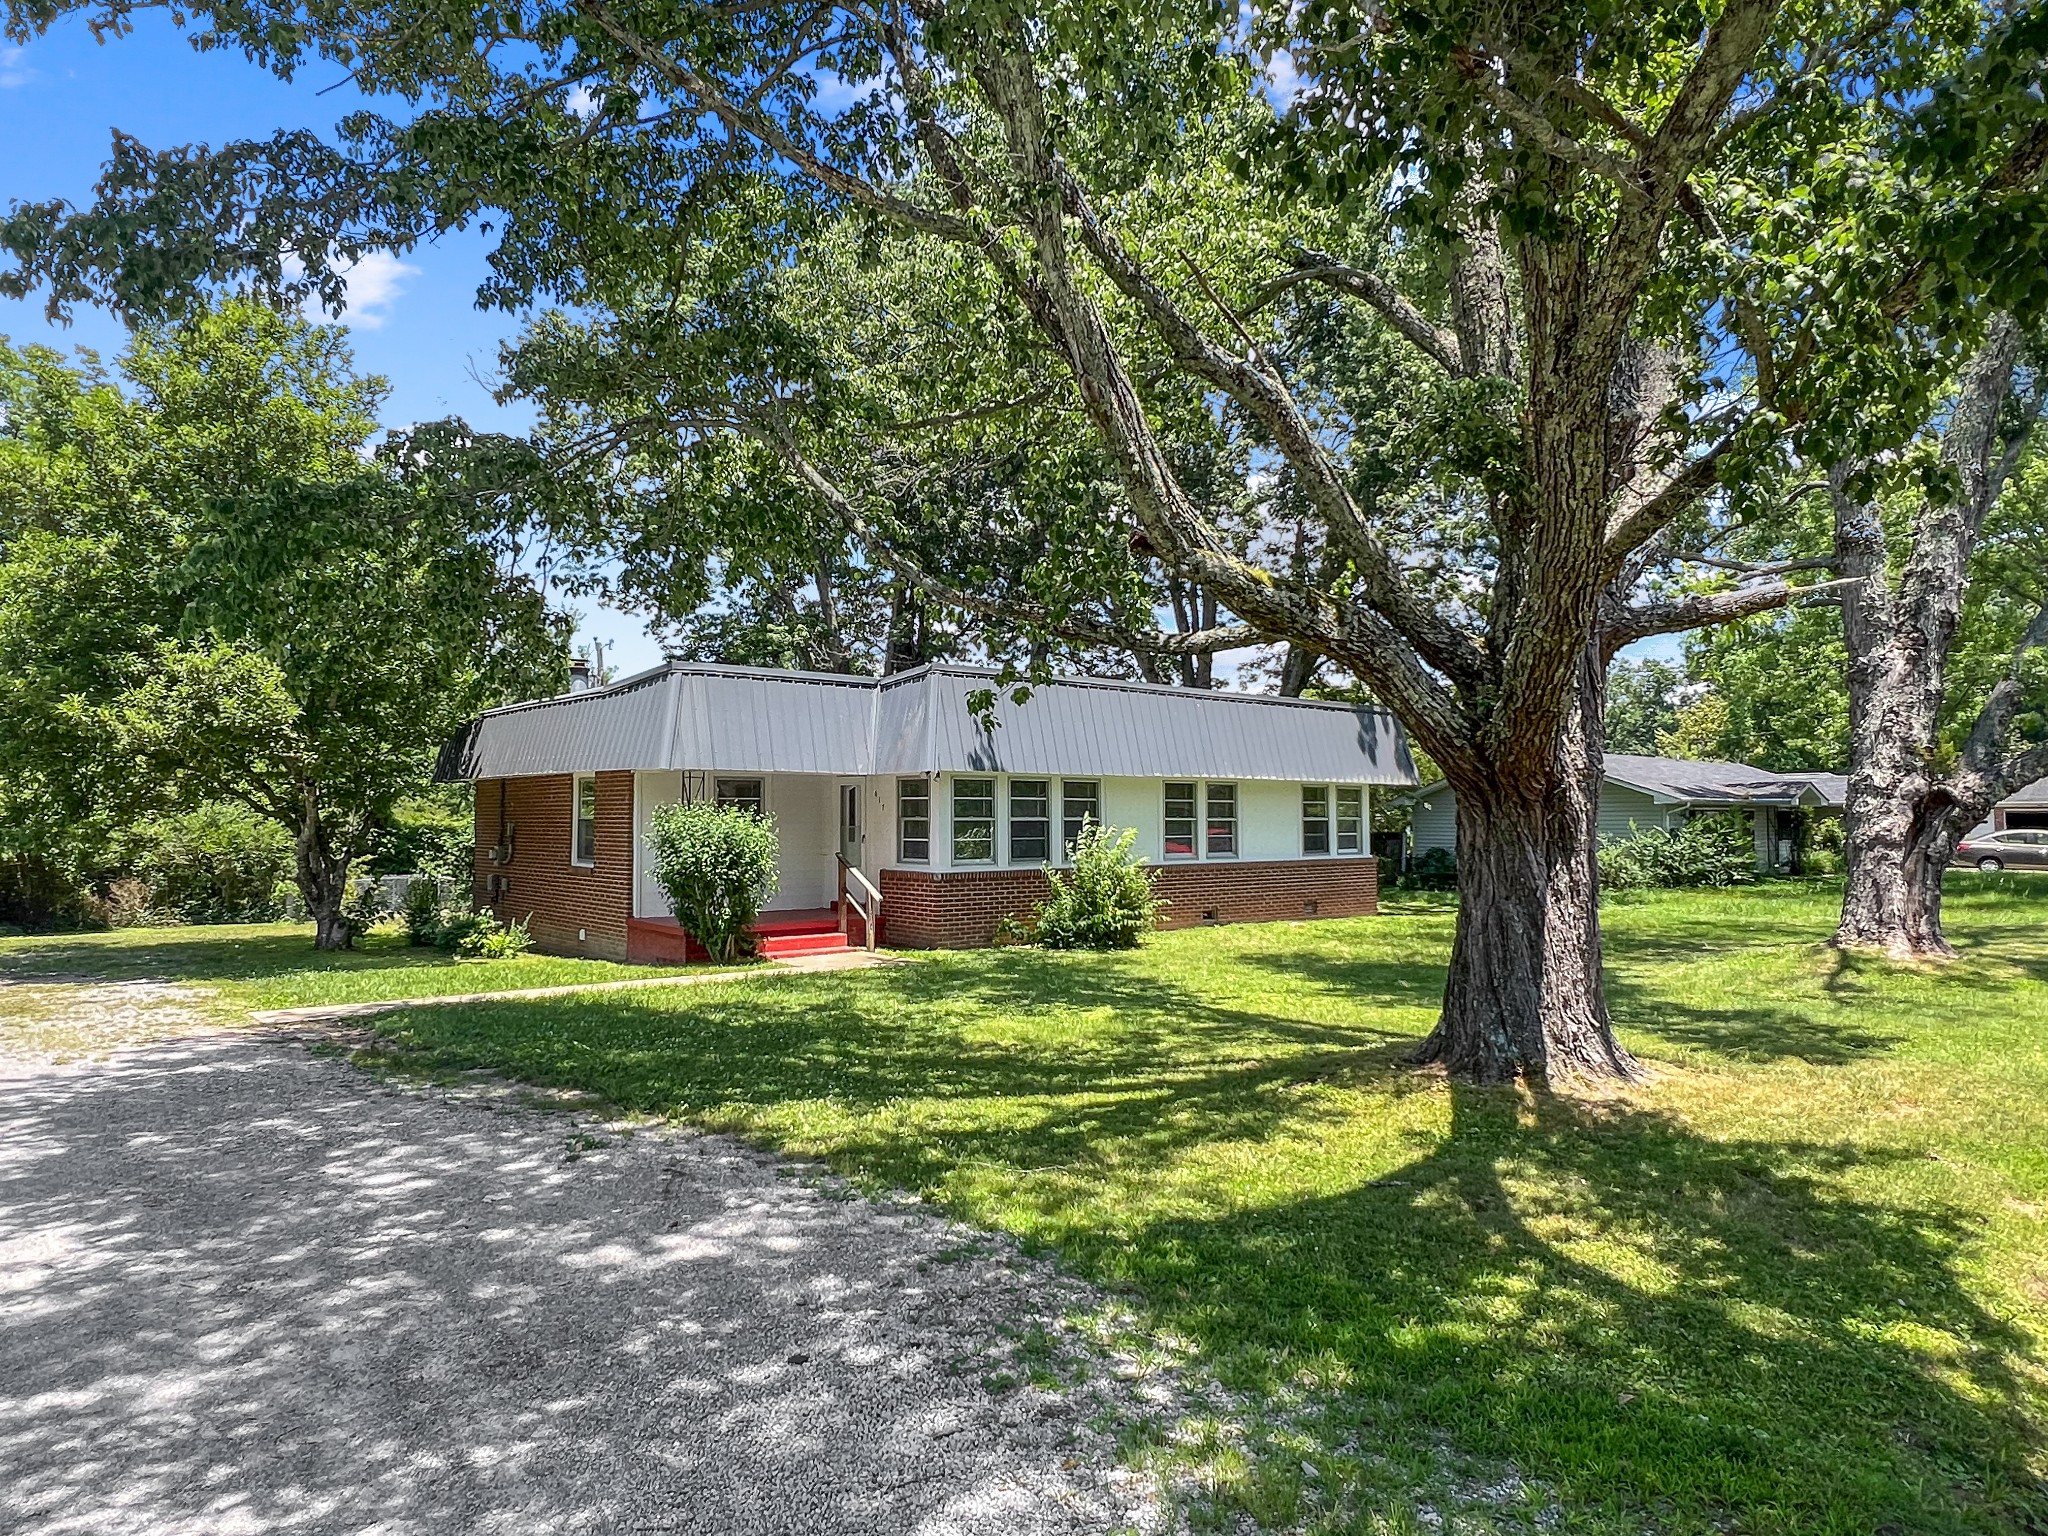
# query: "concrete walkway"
x,y
795,965
249,1289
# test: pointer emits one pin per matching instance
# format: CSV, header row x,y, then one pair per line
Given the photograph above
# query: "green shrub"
x,y
454,928
1708,850
420,911
216,863
428,836
1105,901
364,909
494,941
717,864
1434,869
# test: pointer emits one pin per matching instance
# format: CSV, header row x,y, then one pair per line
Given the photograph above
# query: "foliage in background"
x,y
1106,899
216,863
1643,703
1434,869
207,594
431,832
717,863
1708,850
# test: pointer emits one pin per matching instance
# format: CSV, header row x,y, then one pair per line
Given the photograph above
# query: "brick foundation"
x,y
960,909
557,897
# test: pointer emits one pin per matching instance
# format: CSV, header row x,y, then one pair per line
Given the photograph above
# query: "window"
x,y
1220,836
1080,803
1350,818
1180,821
584,849
974,821
1030,821
913,821
1315,818
743,793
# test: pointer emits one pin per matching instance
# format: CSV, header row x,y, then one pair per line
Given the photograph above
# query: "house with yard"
x,y
897,807
1638,793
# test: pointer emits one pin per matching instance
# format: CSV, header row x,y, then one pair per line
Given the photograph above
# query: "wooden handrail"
x,y
870,909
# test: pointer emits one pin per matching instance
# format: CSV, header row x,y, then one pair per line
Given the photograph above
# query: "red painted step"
x,y
778,946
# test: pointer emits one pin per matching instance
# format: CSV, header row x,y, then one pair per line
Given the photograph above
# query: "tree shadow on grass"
x,y
1643,1318
1674,1328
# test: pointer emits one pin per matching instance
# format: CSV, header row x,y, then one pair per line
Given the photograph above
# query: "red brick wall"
x,y
556,896
959,909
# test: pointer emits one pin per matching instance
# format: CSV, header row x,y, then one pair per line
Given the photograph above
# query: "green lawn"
x,y
274,965
1799,1282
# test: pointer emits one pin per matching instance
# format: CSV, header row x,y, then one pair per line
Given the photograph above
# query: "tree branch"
x,y
1436,343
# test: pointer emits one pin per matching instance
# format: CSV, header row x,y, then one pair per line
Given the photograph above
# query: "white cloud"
x,y
13,71
582,102
374,284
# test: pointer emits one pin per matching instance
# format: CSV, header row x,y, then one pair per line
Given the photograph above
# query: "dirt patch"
x,y
58,1019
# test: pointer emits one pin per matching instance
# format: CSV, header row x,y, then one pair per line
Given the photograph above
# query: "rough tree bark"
x,y
1906,809
321,873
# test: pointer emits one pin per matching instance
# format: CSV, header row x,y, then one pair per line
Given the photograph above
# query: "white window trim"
x,y
1061,856
1364,823
997,829
1195,838
1052,819
1329,821
1236,820
576,783
930,820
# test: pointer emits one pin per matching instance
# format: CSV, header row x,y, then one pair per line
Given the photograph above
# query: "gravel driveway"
x,y
246,1287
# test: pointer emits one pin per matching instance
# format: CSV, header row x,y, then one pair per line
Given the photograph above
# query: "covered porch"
x,y
819,820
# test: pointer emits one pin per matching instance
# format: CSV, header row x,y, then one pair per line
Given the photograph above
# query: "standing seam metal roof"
x,y
750,720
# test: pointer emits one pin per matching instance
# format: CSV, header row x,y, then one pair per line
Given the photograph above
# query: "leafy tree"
x,y
1638,253
207,595
1643,703
1782,682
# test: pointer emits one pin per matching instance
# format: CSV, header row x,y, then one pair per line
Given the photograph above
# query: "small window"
x,y
745,794
1220,830
584,849
913,821
1030,821
1080,804
974,821
1180,821
1315,818
1350,818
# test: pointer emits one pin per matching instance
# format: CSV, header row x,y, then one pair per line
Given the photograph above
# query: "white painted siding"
x,y
806,815
1623,812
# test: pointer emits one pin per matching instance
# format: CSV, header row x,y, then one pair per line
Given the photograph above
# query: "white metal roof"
x,y
692,715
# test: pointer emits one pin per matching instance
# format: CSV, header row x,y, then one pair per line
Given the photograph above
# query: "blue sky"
x,y
412,318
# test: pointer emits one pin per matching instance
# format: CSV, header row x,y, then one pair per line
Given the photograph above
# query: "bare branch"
x,y
1703,609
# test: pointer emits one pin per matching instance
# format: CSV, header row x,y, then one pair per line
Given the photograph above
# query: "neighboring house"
x,y
1665,792
2023,808
1253,807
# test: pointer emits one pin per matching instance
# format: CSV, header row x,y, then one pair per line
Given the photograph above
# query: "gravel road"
x,y
245,1287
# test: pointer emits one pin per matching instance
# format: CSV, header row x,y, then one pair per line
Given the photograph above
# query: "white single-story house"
x,y
1638,793
892,790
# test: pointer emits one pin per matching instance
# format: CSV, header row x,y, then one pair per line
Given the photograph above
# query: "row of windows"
x,y
1197,819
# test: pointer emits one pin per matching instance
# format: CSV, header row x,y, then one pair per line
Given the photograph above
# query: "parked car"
x,y
2014,849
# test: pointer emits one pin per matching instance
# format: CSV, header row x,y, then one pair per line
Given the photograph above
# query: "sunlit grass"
x,y
274,965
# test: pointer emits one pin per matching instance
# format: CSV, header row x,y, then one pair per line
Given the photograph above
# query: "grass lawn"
x,y
268,965
1799,1282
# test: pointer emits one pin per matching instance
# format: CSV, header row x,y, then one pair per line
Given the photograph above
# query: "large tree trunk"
x,y
1525,997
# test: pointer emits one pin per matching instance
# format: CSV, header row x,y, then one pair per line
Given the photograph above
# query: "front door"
x,y
849,824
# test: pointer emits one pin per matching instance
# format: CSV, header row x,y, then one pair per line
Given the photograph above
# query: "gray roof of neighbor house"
x,y
1684,782
690,715
2034,794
